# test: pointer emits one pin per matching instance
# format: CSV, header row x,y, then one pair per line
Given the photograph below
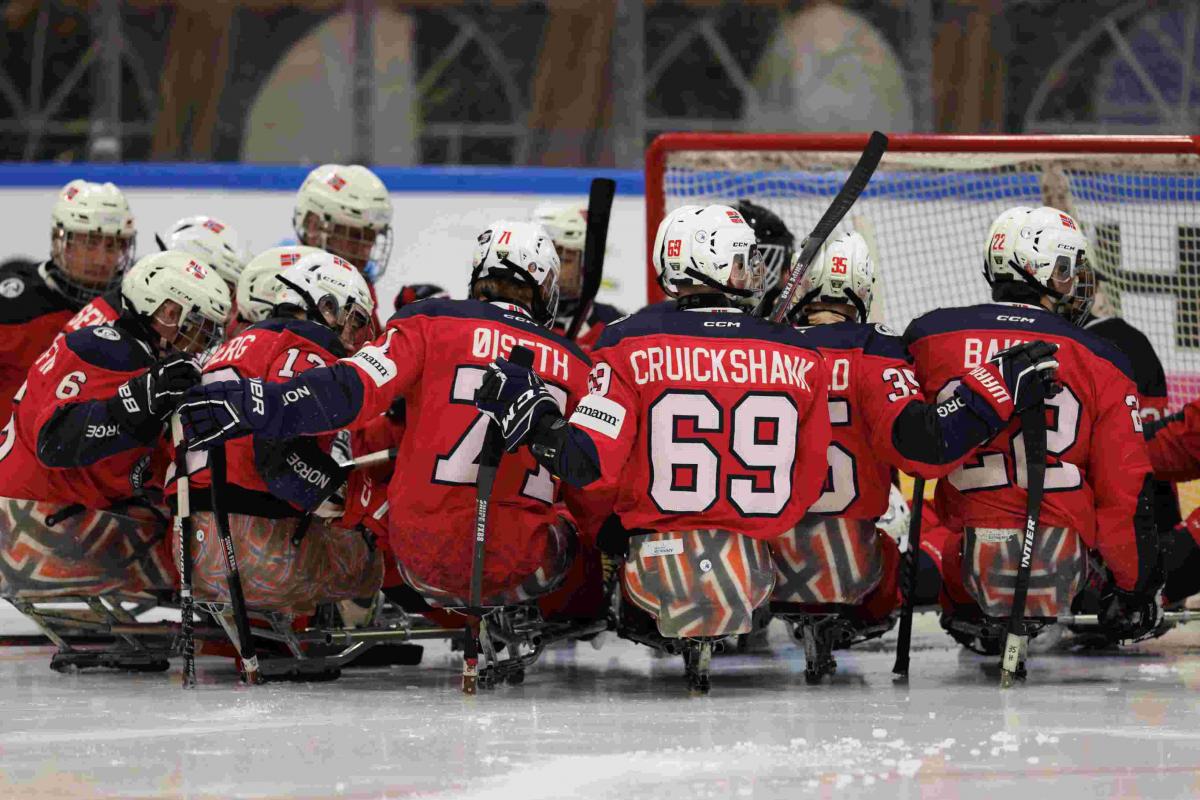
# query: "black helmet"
x,y
775,241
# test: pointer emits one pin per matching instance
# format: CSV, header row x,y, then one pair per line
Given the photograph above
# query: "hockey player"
x,y
698,431
567,226
257,288
286,498
434,354
880,424
84,452
91,245
1097,482
211,241
345,209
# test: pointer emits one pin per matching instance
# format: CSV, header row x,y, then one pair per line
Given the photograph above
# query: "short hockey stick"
x,y
1033,428
855,183
600,200
183,525
489,463
245,645
371,459
904,636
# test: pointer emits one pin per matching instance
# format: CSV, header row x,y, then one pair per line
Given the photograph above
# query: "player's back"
x,y
722,422
31,315
870,383
1095,454
275,350
448,344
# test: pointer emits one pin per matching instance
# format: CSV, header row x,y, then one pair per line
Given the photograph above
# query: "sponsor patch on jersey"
x,y
599,414
11,287
375,363
884,329
105,332
995,535
662,547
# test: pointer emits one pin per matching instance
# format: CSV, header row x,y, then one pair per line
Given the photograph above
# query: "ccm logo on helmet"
x,y
1008,318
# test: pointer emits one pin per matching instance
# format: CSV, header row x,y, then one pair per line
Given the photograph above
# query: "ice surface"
x,y
619,724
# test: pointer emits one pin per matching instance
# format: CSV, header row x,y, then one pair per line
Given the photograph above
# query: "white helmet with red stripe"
x,y
212,241
521,252
710,245
345,209
331,291
841,273
257,288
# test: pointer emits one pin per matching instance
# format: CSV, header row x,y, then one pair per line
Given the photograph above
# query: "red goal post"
x,y
928,208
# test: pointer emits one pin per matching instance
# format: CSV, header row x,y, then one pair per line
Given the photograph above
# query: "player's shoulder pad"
x,y
665,319
314,332
25,295
1028,321
606,314
108,347
873,339
446,308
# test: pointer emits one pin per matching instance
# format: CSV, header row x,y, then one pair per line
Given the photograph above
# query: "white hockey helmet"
x,y
565,222
710,245
199,296
522,252
210,240
257,290
842,273
92,239
346,210
1002,237
331,291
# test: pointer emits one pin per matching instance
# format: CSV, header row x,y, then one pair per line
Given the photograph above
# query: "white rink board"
x,y
434,240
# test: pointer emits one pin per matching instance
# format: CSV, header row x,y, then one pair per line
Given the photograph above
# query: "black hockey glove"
x,y
1125,616
299,471
144,402
217,412
515,398
1011,381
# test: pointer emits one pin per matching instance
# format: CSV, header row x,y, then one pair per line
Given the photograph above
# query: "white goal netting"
x,y
926,215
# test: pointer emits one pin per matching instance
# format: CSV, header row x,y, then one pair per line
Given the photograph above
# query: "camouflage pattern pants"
x,y
329,564
47,552
699,583
990,558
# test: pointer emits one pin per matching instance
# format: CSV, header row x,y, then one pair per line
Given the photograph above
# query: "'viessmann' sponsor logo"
x,y
757,366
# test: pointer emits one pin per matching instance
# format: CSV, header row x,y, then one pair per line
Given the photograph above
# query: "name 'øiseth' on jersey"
x,y
706,418
1096,457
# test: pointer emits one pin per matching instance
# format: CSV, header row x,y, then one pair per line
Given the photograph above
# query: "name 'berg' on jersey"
x,y
706,418
1096,459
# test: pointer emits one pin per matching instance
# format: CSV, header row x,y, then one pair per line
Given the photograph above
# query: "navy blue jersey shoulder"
x,y
477,309
314,332
668,320
109,348
871,338
1029,321
25,295
603,312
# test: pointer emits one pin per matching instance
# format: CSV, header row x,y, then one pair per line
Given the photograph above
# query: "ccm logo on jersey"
x,y
722,323
599,414
1008,318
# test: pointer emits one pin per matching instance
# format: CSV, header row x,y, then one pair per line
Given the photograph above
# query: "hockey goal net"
x,y
928,208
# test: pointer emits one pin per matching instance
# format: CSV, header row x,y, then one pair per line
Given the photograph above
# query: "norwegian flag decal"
x,y
734,216
336,181
197,270
213,225
287,259
70,195
1067,222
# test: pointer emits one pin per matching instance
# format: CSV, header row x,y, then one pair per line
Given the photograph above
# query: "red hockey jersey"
x,y
61,445
100,311
1097,460
1175,447
707,418
275,350
433,355
870,384
31,315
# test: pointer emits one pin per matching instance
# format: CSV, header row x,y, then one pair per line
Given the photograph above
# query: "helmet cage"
x,y
345,241
71,270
